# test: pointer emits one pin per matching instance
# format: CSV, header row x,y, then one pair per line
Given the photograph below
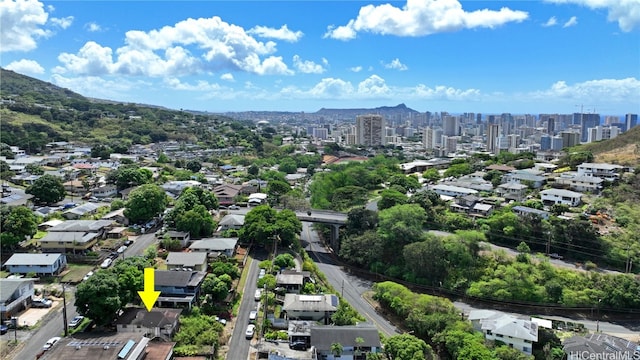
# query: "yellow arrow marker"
x,y
149,295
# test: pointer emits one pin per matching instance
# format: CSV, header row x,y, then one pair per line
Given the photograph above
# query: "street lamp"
x,y
598,319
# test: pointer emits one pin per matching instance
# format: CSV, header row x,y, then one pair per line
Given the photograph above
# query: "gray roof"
x,y
69,237
316,303
232,219
157,317
186,259
528,210
178,278
296,279
9,286
84,208
560,192
323,336
32,259
82,225
216,244
601,345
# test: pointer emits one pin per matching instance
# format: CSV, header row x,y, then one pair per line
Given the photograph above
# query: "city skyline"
x,y
556,56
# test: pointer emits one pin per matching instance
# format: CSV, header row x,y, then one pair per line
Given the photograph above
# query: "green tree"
x,y
253,170
215,287
145,202
363,250
284,261
197,221
336,349
193,166
287,165
427,259
98,298
276,189
361,219
407,347
18,223
47,189
263,225
400,225
390,198
34,169
504,352
431,175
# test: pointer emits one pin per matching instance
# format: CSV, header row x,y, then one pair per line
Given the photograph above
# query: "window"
x,y
488,332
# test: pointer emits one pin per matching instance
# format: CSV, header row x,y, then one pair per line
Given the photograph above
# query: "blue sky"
x,y
556,56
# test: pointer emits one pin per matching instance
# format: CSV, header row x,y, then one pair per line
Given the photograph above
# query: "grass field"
x,y
75,273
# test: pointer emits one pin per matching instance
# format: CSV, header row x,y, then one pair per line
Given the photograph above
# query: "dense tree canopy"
x,y
145,202
98,297
17,223
263,225
47,189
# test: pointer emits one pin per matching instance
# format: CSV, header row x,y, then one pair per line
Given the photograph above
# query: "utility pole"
x,y
64,310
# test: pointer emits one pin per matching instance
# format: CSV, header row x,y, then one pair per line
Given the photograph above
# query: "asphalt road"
x,y
239,345
350,287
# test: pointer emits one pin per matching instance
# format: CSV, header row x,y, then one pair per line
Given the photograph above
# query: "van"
x,y
258,295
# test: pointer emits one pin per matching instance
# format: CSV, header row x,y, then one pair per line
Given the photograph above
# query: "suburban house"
x,y
80,211
117,216
114,345
318,307
257,199
531,178
231,221
516,333
215,247
104,191
525,210
600,346
161,322
182,260
99,227
39,264
74,187
176,187
512,191
291,281
49,224
454,191
580,183
323,336
609,172
226,193
68,241
181,236
558,196
178,288
14,296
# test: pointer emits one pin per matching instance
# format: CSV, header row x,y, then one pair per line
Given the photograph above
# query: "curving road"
x,y
351,287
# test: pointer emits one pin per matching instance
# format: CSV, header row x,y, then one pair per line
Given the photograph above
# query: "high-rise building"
x,y
427,138
320,133
569,138
630,121
493,131
449,144
585,121
450,125
551,126
557,143
545,142
370,130
602,133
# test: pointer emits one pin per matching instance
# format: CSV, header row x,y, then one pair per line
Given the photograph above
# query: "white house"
x,y
14,296
454,191
558,196
609,172
215,246
231,221
318,307
516,333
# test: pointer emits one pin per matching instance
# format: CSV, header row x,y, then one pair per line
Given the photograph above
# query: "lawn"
x,y
75,273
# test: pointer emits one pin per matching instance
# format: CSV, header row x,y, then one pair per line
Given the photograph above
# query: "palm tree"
x,y
336,349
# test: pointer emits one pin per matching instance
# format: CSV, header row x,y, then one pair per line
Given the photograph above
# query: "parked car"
x,y
234,207
253,315
258,295
76,321
3,329
49,344
42,303
128,242
88,275
251,330
298,345
69,206
121,249
263,272
106,263
556,256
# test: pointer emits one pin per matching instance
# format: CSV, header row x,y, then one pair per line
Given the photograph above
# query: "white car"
x,y
106,263
121,249
49,344
76,321
234,207
253,315
251,329
87,276
258,295
262,273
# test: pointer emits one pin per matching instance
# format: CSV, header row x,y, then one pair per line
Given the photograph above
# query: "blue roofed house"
x,y
40,264
14,296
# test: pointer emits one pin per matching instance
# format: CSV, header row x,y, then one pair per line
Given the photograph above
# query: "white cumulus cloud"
x,y
573,21
280,34
595,91
551,22
625,12
421,18
24,66
356,69
92,27
307,66
98,87
191,46
396,65
22,24
227,77
62,22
